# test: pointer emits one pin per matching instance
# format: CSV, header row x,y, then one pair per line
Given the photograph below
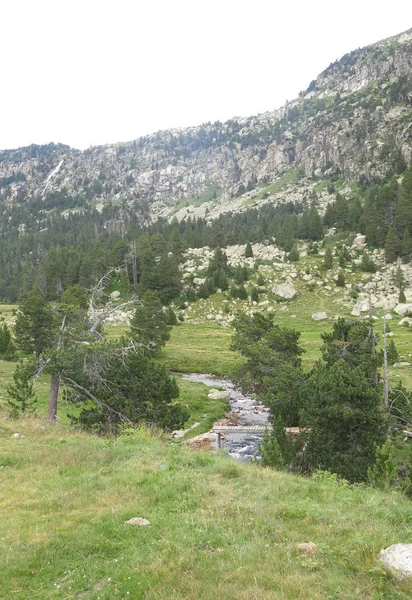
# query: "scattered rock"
x,y
198,280
137,521
115,295
204,441
307,547
285,290
319,316
398,558
403,309
360,306
219,395
387,317
406,321
17,436
358,242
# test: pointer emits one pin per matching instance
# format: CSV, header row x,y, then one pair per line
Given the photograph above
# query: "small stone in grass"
x,y
137,521
307,547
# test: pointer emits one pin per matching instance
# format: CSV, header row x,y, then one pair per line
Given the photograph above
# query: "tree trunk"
x,y
54,395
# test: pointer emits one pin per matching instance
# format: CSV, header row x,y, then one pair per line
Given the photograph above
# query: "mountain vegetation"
x,y
125,265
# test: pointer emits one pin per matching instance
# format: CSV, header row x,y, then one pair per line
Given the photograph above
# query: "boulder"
x,y
387,317
115,295
219,395
398,558
198,280
319,316
285,290
360,306
137,521
403,309
358,242
406,321
402,364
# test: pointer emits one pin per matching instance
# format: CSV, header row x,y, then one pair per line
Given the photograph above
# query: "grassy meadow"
x,y
217,528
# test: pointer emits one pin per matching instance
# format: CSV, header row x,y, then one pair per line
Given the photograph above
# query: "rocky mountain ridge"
x,y
354,120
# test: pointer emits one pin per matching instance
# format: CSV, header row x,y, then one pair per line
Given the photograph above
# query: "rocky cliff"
x,y
354,120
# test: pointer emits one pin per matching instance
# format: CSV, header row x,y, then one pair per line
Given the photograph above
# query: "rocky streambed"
x,y
245,410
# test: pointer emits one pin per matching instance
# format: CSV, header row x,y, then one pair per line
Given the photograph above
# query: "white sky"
x,y
100,71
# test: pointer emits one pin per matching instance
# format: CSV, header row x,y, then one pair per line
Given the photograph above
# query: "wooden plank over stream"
x,y
241,428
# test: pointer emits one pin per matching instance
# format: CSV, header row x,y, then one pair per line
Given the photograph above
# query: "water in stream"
x,y
243,447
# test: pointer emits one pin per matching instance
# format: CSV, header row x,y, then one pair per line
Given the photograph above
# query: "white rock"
x,y
403,309
402,364
398,558
16,436
137,521
387,317
319,316
285,290
198,280
359,241
114,295
219,395
406,321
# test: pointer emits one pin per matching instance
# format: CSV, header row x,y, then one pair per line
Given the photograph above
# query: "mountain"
x,y
353,122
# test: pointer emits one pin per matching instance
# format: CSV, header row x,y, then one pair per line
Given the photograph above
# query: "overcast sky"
x,y
98,71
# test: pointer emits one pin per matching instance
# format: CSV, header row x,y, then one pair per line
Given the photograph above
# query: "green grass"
x,y
202,348
217,528
202,410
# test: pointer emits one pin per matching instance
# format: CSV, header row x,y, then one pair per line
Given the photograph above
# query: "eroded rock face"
x,y
218,160
398,558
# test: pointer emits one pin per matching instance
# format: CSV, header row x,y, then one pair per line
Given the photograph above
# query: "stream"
x,y
243,447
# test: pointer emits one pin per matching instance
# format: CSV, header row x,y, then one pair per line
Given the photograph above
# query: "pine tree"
x,y
21,397
255,295
406,252
248,251
328,259
391,244
7,348
343,411
294,254
340,281
403,213
34,324
149,325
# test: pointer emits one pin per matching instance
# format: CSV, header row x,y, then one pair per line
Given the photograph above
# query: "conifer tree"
x,y
406,252
294,254
328,259
7,348
391,243
34,324
248,251
21,396
149,325
340,281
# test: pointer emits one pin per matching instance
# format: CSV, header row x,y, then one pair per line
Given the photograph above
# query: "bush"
x,y
384,473
270,452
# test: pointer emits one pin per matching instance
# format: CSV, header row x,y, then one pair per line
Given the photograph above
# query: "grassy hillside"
x,y
216,528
